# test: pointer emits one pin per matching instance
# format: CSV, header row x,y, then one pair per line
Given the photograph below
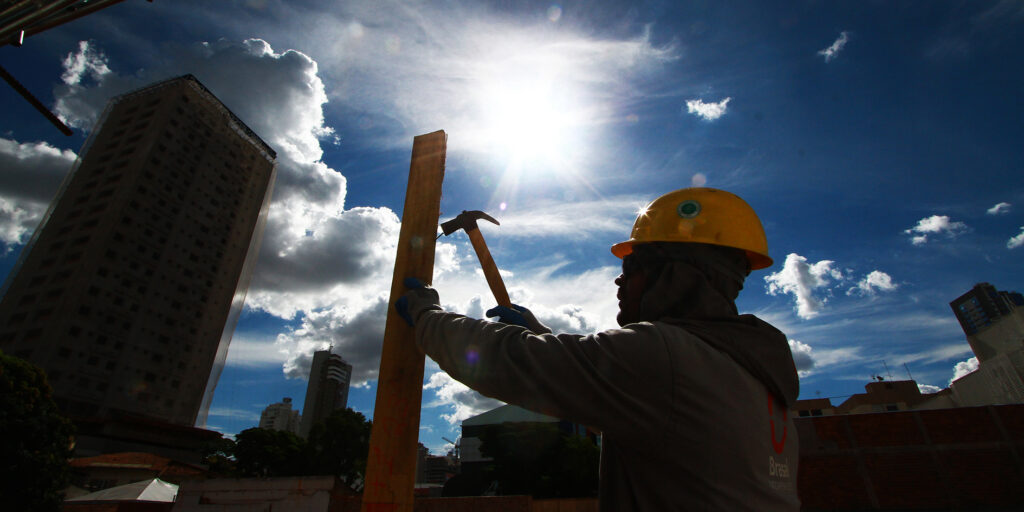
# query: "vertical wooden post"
x,y
391,464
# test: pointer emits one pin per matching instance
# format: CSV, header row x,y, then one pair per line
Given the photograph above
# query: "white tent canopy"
x,y
147,490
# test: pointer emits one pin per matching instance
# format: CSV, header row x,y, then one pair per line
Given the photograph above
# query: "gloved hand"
x,y
518,315
419,297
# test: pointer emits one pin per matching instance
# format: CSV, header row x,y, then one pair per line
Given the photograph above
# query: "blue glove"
x,y
419,297
518,315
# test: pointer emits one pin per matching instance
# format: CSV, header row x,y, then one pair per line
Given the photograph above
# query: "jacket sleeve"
x,y
617,380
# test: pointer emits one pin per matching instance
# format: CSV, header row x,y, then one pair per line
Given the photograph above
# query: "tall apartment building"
x,y
280,416
983,305
130,288
327,390
991,319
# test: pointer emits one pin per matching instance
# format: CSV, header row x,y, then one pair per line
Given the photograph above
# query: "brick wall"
x,y
948,459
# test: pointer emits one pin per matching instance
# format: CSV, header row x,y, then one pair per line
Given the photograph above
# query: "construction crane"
x,y
454,452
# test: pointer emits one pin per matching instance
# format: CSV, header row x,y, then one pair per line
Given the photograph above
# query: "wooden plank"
x,y
391,464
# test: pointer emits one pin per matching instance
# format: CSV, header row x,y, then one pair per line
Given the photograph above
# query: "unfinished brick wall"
x,y
948,459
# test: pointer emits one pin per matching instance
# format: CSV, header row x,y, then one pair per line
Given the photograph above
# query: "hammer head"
x,y
465,221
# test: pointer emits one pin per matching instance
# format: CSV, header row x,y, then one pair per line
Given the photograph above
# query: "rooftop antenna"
x,y
908,371
887,370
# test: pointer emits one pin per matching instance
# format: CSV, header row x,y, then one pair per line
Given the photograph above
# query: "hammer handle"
x,y
490,268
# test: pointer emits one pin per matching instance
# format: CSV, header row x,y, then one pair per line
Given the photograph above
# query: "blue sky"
x,y
879,143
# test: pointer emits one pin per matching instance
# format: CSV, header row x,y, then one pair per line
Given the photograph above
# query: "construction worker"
x,y
690,396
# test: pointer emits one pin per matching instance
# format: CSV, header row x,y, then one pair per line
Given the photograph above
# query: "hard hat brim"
x,y
757,261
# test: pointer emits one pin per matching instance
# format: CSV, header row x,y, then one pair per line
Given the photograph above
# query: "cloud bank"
x,y
32,173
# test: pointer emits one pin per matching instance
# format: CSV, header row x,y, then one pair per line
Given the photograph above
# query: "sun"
x,y
529,121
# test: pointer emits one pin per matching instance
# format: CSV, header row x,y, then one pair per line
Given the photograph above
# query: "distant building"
x,y
982,306
280,416
433,469
327,390
880,396
994,324
130,289
472,461
813,407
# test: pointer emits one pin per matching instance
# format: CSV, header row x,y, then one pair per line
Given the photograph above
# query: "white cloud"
x,y
801,279
963,368
802,356
32,173
872,283
833,50
1016,241
935,225
87,62
238,414
462,401
999,209
928,389
708,111
246,350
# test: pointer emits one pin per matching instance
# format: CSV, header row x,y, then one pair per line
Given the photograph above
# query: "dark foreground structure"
x,y
948,459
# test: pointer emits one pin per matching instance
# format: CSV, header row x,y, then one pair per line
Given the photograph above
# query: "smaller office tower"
x,y
280,416
329,378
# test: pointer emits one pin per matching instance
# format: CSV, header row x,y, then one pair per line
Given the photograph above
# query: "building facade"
x,y
129,290
280,416
982,306
327,390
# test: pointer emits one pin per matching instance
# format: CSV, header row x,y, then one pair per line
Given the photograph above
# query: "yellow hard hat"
x,y
700,215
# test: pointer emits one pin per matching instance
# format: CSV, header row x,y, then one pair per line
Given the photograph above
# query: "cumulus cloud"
x,y
707,111
802,356
999,209
1016,241
32,173
928,389
833,50
963,368
461,401
875,281
934,226
800,279
87,62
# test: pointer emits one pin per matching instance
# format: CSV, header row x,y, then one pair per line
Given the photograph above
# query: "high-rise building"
x,y
280,416
327,390
130,289
981,306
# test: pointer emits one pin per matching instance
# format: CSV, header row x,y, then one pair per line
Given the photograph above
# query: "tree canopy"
x,y
34,438
540,460
336,446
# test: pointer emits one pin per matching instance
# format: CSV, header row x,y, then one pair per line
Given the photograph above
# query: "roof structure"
x,y
147,490
508,414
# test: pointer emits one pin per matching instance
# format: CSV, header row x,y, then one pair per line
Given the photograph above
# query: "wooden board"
x,y
391,464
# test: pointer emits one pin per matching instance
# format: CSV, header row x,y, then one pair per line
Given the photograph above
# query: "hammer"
x,y
467,221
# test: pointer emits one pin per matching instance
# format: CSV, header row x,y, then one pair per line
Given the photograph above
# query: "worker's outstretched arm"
x,y
609,380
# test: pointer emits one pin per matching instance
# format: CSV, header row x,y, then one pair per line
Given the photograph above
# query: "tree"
x,y
219,455
339,445
262,452
35,439
540,460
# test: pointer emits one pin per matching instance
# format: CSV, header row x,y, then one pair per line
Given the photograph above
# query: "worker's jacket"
x,y
686,425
